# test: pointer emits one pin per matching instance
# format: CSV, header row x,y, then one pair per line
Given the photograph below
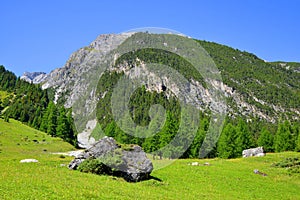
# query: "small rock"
x,y
256,171
195,163
29,161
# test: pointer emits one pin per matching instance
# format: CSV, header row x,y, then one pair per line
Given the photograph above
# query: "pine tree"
x,y
282,140
266,140
169,130
44,122
226,144
297,136
295,129
49,122
63,126
199,138
244,139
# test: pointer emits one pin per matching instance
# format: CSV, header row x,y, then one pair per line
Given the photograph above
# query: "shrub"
x,y
291,164
94,166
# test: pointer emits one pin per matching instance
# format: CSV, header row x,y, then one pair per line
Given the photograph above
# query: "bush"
x,y
113,160
291,164
94,166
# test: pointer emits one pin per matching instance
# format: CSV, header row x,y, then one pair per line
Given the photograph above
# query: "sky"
x,y
41,35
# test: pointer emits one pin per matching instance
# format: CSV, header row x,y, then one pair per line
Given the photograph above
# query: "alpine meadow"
x,y
66,119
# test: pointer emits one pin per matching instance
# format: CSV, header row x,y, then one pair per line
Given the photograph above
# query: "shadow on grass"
x,y
154,178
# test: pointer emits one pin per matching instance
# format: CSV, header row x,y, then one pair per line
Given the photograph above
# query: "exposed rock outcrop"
x,y
34,77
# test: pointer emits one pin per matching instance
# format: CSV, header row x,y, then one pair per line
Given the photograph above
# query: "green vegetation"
x,y
252,77
107,165
19,141
31,105
244,72
163,57
292,164
47,179
94,166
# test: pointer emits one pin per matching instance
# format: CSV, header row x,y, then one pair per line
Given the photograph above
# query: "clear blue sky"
x,y
41,35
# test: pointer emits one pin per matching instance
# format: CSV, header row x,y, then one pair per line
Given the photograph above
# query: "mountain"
x,y
258,101
253,84
34,77
69,78
254,88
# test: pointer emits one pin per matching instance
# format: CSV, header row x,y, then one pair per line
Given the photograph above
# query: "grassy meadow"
x,y
49,179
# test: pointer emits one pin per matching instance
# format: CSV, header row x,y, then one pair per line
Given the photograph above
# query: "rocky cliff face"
x,y
69,78
75,83
34,77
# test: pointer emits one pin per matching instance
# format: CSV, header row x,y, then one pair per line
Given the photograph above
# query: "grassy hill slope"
x,y
47,179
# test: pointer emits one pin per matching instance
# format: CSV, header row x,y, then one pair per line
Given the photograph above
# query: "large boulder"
x,y
259,151
135,166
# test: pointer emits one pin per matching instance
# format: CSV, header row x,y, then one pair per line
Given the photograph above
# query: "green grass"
x,y
223,179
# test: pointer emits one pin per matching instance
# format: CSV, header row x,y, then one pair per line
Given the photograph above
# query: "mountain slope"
x,y
258,88
255,89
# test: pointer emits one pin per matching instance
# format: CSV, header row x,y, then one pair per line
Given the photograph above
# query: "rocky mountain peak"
x,y
34,77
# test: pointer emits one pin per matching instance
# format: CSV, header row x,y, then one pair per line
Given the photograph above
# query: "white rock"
x,y
259,151
29,161
195,163
260,154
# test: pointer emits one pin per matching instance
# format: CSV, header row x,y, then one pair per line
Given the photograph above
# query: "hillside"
x,y
47,179
260,92
256,88
28,103
259,88
261,98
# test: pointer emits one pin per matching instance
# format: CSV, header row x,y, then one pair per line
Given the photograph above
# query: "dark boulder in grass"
x,y
107,157
137,165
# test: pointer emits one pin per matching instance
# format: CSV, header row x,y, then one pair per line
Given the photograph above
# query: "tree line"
x,y
31,105
236,136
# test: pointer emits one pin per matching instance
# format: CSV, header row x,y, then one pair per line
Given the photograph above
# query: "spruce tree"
x,y
244,138
226,144
266,140
283,137
296,129
63,127
52,119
